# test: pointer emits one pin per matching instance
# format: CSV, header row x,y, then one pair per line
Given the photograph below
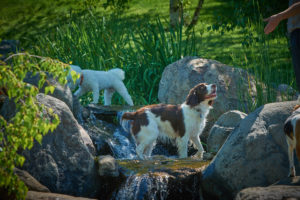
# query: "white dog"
x,y
71,83
183,122
110,81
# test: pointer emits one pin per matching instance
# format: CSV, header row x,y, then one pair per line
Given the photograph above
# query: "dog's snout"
x,y
213,86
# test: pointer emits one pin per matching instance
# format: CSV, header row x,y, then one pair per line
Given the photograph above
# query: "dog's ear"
x,y
192,99
81,79
196,95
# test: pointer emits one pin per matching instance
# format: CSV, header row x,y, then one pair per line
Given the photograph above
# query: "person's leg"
x,y
295,50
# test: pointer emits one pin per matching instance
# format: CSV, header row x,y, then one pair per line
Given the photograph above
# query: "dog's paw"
x,y
198,155
208,156
292,172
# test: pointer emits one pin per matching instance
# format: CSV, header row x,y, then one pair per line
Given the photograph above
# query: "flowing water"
x,y
123,145
143,187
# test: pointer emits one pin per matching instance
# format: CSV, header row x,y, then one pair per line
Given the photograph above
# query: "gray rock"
x,y
8,109
33,195
222,128
64,162
7,47
108,166
62,93
30,181
284,88
255,153
287,188
286,93
270,193
235,85
79,112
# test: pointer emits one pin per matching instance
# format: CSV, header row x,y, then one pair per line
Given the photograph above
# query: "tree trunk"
x,y
196,15
176,12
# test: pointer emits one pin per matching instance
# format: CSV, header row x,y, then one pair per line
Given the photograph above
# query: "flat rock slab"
x,y
32,195
110,110
30,181
108,113
161,164
287,188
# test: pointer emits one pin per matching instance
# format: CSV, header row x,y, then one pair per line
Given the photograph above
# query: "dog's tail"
x,y
129,116
118,73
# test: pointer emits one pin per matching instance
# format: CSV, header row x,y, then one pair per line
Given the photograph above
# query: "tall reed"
x,y
142,51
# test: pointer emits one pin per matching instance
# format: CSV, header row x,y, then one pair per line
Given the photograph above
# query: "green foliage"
x,y
104,44
144,52
116,4
134,40
241,13
31,121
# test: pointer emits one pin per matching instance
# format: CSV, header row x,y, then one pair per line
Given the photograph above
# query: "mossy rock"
x,y
161,164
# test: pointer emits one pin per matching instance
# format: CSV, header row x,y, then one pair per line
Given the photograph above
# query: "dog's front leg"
x,y
292,172
140,151
79,92
95,94
196,140
182,145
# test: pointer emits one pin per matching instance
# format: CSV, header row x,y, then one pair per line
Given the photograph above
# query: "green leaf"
x,y
39,138
21,160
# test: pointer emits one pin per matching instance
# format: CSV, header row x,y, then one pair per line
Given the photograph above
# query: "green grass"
x,y
140,42
108,43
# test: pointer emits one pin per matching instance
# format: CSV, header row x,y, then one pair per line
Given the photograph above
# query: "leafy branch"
x,y
32,120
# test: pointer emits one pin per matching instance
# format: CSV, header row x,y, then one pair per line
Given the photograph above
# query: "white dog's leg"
x,y
149,148
182,144
292,172
108,93
79,92
95,94
140,150
121,89
146,138
197,142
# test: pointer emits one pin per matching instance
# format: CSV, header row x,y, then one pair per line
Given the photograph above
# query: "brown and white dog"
x,y
292,133
182,122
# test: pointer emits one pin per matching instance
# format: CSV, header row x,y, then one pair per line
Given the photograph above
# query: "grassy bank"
x,y
140,41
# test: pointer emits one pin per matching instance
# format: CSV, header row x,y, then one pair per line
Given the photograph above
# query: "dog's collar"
x,y
200,112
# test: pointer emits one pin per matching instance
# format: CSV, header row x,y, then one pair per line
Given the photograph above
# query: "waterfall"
x,y
123,145
146,186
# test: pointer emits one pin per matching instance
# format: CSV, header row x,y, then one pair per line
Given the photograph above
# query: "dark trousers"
x,y
295,51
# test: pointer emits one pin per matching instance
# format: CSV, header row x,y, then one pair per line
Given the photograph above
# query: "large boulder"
x,y
61,92
8,47
270,193
288,188
235,85
108,166
64,162
255,153
222,128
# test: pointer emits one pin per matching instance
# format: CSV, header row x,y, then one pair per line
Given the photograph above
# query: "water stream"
x,y
143,187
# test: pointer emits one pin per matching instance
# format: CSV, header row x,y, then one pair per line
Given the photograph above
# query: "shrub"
x,y
31,120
